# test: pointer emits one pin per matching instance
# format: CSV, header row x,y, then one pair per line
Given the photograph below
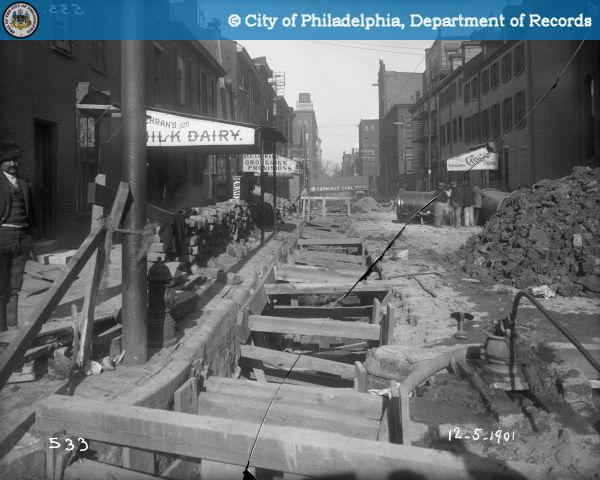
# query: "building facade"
x,y
305,135
395,88
368,145
485,99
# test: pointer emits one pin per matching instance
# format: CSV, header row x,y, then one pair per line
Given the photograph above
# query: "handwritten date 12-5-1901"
x,y
480,434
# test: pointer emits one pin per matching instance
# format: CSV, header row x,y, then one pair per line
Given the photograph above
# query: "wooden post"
x,y
274,190
262,189
86,321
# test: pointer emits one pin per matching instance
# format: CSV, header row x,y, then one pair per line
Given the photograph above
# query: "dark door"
x,y
44,182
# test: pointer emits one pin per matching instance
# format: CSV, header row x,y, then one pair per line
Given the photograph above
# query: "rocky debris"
x,y
549,235
366,205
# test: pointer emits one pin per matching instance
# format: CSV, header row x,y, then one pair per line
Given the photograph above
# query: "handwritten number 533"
x,y
66,9
69,444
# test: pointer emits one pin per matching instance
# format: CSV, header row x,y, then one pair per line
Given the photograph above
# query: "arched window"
x,y
589,114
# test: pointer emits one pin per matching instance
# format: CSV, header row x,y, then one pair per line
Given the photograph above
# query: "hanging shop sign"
x,y
168,130
237,182
285,166
480,159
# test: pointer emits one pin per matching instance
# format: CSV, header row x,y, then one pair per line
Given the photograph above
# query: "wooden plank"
x,y
376,312
89,303
405,415
84,468
27,333
285,361
360,377
184,468
337,257
334,399
368,286
186,397
336,312
285,449
286,414
323,327
338,241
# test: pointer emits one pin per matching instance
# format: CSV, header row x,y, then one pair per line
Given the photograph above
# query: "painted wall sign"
x,y
285,166
479,159
337,188
168,130
237,182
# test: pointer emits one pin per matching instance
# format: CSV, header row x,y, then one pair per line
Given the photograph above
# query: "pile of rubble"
x,y
366,205
549,235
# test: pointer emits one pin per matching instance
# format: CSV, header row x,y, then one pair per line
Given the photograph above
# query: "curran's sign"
x,y
479,159
285,166
168,130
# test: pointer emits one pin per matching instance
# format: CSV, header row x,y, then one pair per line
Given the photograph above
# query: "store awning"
x,y
175,130
479,159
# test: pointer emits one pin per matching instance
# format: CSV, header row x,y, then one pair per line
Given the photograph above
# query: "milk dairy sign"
x,y
167,130
285,166
479,159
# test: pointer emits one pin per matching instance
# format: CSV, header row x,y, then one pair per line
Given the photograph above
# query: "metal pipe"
x,y
274,190
556,323
133,159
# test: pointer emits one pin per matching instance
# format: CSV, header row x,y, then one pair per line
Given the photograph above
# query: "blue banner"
x,y
300,20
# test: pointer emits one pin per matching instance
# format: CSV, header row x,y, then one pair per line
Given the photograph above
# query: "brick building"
x,y
485,97
62,149
305,134
397,91
368,146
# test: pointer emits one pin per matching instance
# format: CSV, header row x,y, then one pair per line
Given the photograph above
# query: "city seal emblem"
x,y
20,20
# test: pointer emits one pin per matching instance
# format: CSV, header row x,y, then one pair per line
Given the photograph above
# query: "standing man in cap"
x,y
16,222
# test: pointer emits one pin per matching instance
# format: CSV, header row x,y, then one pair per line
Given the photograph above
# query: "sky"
x,y
339,75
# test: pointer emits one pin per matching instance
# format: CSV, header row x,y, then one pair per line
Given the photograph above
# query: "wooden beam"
x,y
27,333
286,414
322,327
335,242
84,468
376,312
285,361
338,313
328,399
368,286
360,377
311,255
285,449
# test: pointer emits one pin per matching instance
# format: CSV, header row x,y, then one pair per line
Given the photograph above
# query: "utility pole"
x,y
133,167
274,190
429,138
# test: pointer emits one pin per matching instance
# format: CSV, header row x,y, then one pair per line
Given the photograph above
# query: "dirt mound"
x,y
549,235
366,205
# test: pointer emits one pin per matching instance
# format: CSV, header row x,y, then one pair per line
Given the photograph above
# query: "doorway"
x,y
45,174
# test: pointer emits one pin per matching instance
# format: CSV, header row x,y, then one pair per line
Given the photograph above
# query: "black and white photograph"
x,y
294,259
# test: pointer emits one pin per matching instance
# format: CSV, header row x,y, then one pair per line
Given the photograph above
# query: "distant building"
x,y
395,88
306,134
368,146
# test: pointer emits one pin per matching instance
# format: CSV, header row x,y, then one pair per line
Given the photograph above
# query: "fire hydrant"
x,y
161,297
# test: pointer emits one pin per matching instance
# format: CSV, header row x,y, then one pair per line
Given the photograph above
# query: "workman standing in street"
x,y
439,208
467,200
16,224
455,203
476,204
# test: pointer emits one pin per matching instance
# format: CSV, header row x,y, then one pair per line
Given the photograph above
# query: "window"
x,y
494,76
467,91
194,83
589,112
455,130
485,125
476,128
180,81
442,134
520,109
441,101
519,59
475,89
448,134
459,88
506,68
205,94
88,158
157,77
485,82
213,97
97,55
496,120
468,125
507,114
460,128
